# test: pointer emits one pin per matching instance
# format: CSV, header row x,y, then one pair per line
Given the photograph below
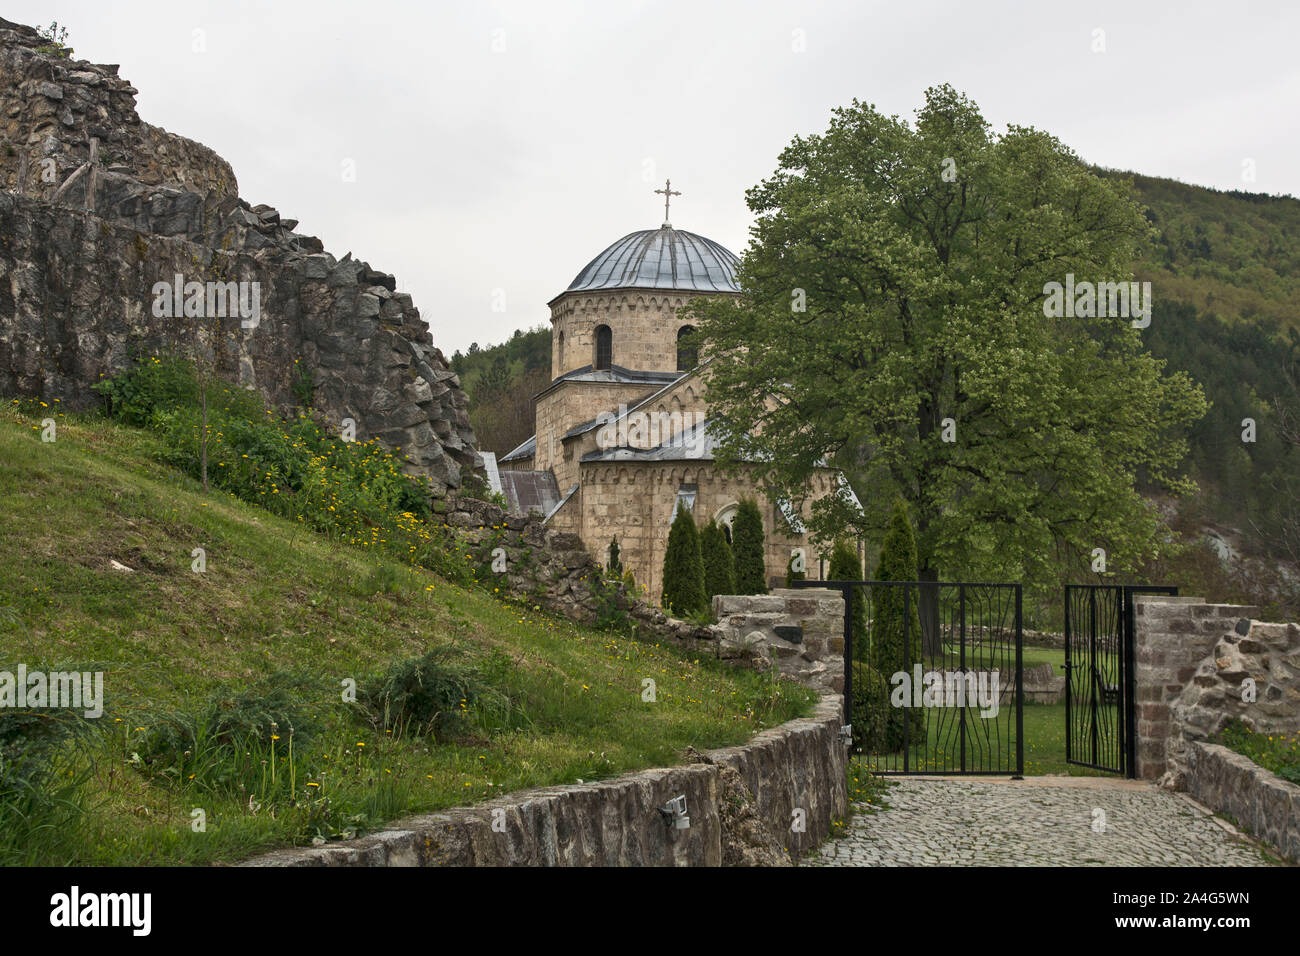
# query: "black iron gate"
x,y
1100,672
939,690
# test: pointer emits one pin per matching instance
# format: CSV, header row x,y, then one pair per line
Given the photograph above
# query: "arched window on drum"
x,y
604,347
688,352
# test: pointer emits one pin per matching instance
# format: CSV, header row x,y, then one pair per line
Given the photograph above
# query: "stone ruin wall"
x,y
76,286
1193,660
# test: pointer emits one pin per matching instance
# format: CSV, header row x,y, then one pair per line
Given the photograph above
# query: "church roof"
x,y
689,444
615,374
663,258
525,450
530,492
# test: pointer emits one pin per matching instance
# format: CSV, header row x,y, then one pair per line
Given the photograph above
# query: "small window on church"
x,y
688,353
725,517
604,347
686,495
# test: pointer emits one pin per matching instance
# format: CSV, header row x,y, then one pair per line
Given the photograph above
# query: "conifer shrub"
x,y
747,546
845,566
889,652
870,710
684,566
719,563
791,574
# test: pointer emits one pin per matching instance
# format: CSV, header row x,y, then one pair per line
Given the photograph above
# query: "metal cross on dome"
x,y
668,193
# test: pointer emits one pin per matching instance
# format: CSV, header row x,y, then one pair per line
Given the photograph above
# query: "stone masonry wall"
x,y
798,632
50,107
1193,662
77,288
643,327
1259,801
1172,636
741,801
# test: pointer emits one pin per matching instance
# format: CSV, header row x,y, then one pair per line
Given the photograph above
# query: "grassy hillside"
x,y
224,688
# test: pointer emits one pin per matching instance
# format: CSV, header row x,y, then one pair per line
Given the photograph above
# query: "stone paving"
x,y
1042,821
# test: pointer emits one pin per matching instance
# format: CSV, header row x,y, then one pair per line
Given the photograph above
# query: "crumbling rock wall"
x,y
77,288
50,107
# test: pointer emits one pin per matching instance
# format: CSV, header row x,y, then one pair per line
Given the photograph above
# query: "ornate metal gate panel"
x,y
936,671
1100,691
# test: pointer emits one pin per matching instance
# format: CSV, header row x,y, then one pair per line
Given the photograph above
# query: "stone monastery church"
x,y
622,431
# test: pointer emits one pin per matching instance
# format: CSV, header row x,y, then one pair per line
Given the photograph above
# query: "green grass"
x,y
1279,753
282,607
1044,751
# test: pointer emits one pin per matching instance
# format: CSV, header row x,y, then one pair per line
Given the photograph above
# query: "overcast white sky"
x,y
501,146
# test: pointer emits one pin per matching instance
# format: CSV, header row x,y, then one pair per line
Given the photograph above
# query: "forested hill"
x,y
1225,274
501,381
1231,254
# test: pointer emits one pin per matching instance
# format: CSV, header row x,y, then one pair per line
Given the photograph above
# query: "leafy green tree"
x,y
719,564
683,566
894,315
747,546
896,626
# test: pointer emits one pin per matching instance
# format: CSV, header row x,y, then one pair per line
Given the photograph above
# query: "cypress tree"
x,y
845,566
870,705
889,654
615,566
683,566
719,564
747,546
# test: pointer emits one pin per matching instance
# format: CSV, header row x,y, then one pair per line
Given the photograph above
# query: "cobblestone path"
x,y
1052,821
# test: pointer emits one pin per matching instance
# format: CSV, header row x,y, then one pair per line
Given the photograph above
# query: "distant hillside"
x,y
1230,254
1225,274
501,381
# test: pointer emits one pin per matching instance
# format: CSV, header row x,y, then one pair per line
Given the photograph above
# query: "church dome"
x,y
663,258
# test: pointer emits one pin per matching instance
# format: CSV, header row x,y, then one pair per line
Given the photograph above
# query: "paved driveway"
x,y
1060,821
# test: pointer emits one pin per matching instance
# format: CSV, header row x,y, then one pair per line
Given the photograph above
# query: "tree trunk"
x,y
928,607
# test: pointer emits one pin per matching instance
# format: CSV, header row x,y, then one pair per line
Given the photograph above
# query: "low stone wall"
x,y
1055,641
1259,801
742,802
